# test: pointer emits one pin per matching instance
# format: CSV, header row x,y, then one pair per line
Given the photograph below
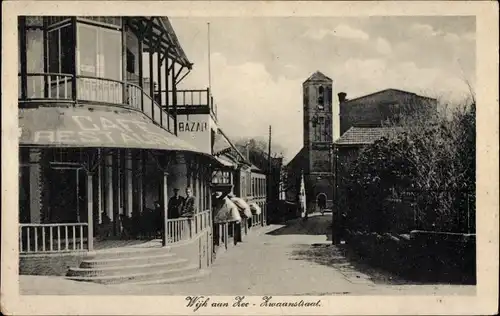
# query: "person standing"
x,y
175,205
174,209
189,209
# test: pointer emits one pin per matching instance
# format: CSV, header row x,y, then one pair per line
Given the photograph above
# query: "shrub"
x,y
428,163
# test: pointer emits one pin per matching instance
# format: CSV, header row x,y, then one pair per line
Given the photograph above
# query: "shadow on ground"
x,y
345,260
314,225
339,258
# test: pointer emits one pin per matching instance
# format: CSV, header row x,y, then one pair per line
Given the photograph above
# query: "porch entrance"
x,y
66,192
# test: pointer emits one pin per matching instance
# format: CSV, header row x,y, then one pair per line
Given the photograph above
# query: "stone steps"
x,y
133,260
116,270
156,274
134,265
125,252
189,278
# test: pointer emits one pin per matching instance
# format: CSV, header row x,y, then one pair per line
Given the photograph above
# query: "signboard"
x,y
84,128
196,129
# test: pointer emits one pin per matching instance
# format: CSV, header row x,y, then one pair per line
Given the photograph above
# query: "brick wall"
x,y
373,110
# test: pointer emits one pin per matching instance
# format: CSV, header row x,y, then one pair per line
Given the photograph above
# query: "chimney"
x,y
342,97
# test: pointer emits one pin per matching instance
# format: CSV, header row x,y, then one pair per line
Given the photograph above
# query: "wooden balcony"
x,y
196,101
56,89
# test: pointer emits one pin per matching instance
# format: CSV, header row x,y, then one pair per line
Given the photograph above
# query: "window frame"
x,y
59,48
321,98
99,69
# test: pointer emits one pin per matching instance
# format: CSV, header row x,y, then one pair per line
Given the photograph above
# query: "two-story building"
x,y
102,145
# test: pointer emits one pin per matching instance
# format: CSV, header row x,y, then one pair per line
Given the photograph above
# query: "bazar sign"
x,y
102,130
192,127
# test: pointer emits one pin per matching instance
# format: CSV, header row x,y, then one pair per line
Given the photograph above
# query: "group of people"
x,y
179,206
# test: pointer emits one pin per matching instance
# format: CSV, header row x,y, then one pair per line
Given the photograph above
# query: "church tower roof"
x,y
318,76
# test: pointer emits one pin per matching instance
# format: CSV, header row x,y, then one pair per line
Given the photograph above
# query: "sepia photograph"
x,y
256,162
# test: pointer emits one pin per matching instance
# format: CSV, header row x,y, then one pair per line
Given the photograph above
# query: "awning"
x,y
242,206
84,127
226,162
226,211
255,209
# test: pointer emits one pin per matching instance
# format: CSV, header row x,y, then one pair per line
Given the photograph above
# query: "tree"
x,y
429,157
259,145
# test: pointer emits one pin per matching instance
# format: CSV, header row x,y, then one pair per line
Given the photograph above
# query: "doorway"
x,y
66,195
321,202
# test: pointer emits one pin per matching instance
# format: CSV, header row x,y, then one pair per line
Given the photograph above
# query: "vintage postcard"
x,y
253,158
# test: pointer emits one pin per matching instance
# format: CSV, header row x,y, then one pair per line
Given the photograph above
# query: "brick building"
x,y
363,121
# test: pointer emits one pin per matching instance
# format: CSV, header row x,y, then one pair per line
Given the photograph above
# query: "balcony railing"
x,y
73,237
48,238
191,100
58,88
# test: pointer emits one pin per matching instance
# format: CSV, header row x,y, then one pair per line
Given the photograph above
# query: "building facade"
x,y
100,152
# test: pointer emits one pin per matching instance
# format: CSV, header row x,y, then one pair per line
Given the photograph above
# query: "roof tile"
x,y
364,135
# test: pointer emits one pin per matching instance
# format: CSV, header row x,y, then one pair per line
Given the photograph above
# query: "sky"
x,y
258,64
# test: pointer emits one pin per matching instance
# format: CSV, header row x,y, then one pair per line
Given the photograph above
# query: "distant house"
x,y
374,109
362,122
347,148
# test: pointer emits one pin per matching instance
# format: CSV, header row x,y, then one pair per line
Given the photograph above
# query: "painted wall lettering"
x,y
193,126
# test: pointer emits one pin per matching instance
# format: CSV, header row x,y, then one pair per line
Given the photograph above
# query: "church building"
x,y
313,161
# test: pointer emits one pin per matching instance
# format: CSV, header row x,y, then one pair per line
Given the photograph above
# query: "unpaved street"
x,y
292,259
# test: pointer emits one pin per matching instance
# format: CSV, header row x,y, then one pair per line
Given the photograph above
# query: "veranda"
x,y
81,199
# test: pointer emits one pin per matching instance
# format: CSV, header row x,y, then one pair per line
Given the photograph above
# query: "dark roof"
x,y
387,90
318,76
363,135
297,158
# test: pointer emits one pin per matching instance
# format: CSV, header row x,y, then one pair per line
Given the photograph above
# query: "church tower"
x,y
318,140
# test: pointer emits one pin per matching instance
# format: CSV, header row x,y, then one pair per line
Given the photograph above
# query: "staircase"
x,y
135,266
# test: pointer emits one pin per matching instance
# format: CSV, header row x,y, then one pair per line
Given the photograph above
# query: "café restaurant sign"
x,y
84,128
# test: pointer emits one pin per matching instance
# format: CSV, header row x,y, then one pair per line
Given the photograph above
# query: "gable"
x,y
298,159
318,76
386,96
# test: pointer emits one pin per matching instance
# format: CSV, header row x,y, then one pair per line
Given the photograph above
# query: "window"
x,y
34,50
130,61
61,50
87,55
321,97
99,52
132,43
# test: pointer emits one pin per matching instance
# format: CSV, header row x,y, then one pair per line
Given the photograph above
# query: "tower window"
x,y
321,97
